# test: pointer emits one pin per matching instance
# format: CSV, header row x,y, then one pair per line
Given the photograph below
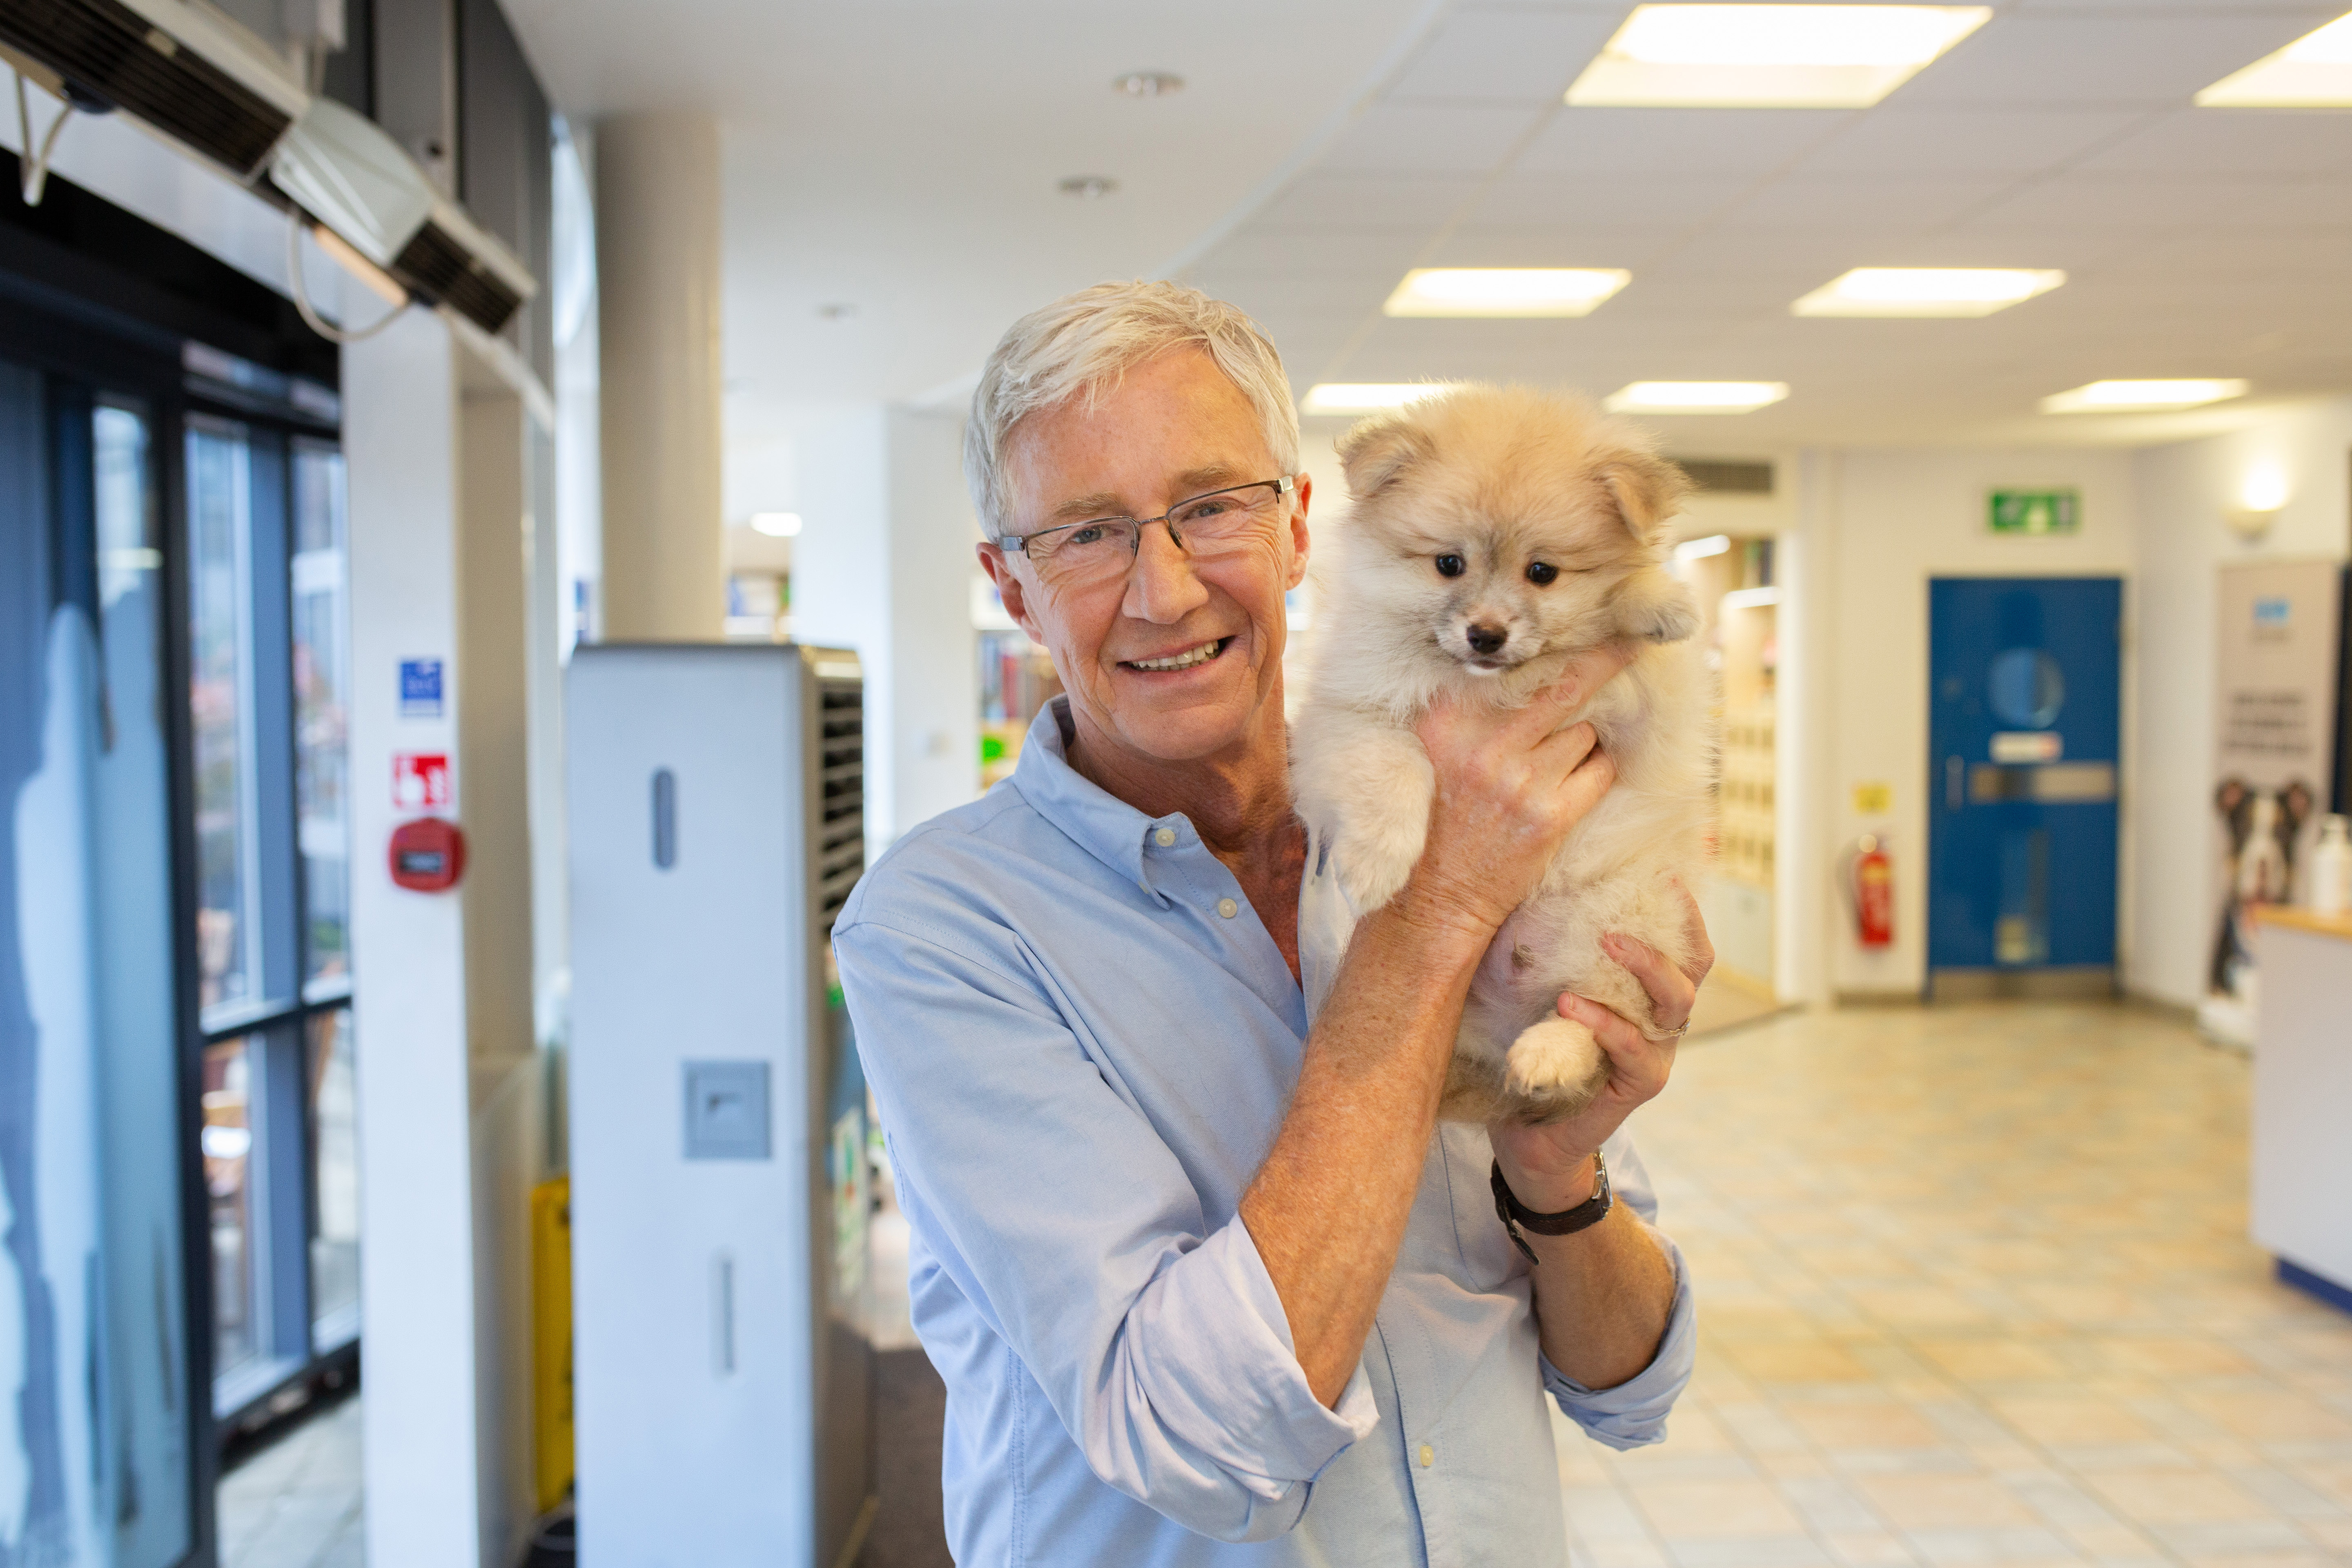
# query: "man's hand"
x,y
1510,783
1551,1167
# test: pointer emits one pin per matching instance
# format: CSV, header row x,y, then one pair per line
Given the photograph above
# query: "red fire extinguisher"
x,y
1873,893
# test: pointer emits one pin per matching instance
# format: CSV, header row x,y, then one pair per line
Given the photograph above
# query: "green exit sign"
x,y
2036,511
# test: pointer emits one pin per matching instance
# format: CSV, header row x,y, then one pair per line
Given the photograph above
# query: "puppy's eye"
x,y
1541,572
1449,566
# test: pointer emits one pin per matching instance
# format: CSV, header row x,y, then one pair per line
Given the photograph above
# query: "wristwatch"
x,y
1566,1221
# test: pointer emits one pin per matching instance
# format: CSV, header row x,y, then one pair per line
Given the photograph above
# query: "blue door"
x,y
2024,731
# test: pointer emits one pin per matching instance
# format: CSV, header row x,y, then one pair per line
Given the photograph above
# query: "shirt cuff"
x,y
1633,1414
1247,1366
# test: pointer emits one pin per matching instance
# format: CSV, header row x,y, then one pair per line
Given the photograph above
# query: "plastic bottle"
x,y
2331,870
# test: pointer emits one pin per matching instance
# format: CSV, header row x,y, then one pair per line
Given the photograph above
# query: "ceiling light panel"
x,y
1368,397
2141,396
1515,291
1927,291
2313,72
1694,396
1769,57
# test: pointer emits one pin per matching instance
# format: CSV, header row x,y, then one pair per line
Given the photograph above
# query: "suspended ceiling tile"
x,y
1694,143
1429,138
2076,200
1367,201
2157,60
2318,206
1860,206
1381,256
1604,198
1558,245
2273,141
1505,55
1930,141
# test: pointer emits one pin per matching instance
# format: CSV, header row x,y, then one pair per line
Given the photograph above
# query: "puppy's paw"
x,y
1554,1070
1666,614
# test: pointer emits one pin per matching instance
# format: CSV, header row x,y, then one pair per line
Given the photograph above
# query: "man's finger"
x,y
1565,751
1589,671
1586,782
1695,928
1671,994
1637,1064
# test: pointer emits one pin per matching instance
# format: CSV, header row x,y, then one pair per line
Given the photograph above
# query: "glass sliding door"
x,y
268,694
99,1425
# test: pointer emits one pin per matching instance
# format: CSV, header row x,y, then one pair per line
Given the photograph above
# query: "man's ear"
x,y
1376,452
1010,589
1300,543
1647,488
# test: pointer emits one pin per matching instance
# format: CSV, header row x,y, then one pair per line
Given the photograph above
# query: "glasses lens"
x,y
1224,518
1083,553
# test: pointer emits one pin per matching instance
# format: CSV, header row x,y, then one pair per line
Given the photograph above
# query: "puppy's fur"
x,y
1500,480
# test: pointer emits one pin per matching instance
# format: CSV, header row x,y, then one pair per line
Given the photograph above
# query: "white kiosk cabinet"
x,y
722,1368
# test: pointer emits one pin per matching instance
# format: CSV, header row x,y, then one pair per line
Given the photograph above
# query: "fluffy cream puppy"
x,y
1497,533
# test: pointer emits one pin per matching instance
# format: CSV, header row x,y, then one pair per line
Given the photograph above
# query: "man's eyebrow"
x,y
1084,508
1108,503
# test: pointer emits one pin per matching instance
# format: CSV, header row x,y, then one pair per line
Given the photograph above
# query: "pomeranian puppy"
x,y
1497,533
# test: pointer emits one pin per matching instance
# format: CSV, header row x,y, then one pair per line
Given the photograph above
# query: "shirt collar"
x,y
1097,821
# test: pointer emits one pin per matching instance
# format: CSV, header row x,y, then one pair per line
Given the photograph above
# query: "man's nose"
x,y
1487,637
1161,586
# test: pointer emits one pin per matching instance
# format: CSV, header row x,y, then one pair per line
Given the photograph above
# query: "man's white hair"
x,y
1081,345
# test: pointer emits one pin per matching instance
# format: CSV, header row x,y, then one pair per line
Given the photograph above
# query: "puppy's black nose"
x,y
1484,638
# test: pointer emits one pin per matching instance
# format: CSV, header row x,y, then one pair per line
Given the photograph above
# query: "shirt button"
x,y
1428,1456
1164,838
1228,907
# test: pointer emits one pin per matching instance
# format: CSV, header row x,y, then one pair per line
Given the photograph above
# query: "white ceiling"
x,y
901,157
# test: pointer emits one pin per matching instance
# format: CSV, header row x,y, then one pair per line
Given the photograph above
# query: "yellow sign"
x,y
1874,799
550,1303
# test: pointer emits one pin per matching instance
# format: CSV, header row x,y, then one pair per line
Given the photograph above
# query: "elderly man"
x,y
1200,1272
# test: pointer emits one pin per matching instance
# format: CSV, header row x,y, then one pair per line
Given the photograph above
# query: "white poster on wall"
x,y
2273,745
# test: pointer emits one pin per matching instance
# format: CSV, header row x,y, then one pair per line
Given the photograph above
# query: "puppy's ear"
x,y
1376,452
1647,489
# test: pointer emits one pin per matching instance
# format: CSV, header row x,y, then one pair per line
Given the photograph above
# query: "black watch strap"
x,y
1566,1221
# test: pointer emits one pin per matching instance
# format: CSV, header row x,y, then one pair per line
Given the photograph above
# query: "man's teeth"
x,y
1201,655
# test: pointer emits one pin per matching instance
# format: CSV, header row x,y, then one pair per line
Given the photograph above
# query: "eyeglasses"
x,y
1218,523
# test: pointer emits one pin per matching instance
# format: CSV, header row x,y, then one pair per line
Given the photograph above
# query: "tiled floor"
x,y
296,1504
1975,1287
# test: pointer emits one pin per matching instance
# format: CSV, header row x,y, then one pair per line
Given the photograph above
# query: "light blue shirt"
x,y
1082,1042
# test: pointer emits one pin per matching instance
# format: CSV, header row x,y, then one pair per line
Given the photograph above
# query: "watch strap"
x,y
1516,1216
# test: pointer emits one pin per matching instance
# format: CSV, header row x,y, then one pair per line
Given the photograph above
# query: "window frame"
x,y
282,1204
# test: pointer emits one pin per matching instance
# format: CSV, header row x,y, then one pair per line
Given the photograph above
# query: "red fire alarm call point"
x,y
428,854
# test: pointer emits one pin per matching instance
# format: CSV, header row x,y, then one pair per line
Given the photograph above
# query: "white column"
x,y
451,1099
884,564
417,1281
658,279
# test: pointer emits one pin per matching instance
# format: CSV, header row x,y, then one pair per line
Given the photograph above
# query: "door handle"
x,y
1953,798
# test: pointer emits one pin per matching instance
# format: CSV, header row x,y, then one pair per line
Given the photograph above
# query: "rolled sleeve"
x,y
1221,1288
1156,1336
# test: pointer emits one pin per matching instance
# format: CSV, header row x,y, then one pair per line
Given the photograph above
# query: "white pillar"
x,y
884,564
450,1101
657,281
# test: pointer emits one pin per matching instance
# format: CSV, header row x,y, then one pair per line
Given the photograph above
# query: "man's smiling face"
x,y
1180,660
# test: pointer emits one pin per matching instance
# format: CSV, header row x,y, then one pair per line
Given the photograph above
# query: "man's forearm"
x,y
1327,1209
1602,1297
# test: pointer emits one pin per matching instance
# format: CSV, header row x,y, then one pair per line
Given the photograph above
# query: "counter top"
x,y
2337,926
